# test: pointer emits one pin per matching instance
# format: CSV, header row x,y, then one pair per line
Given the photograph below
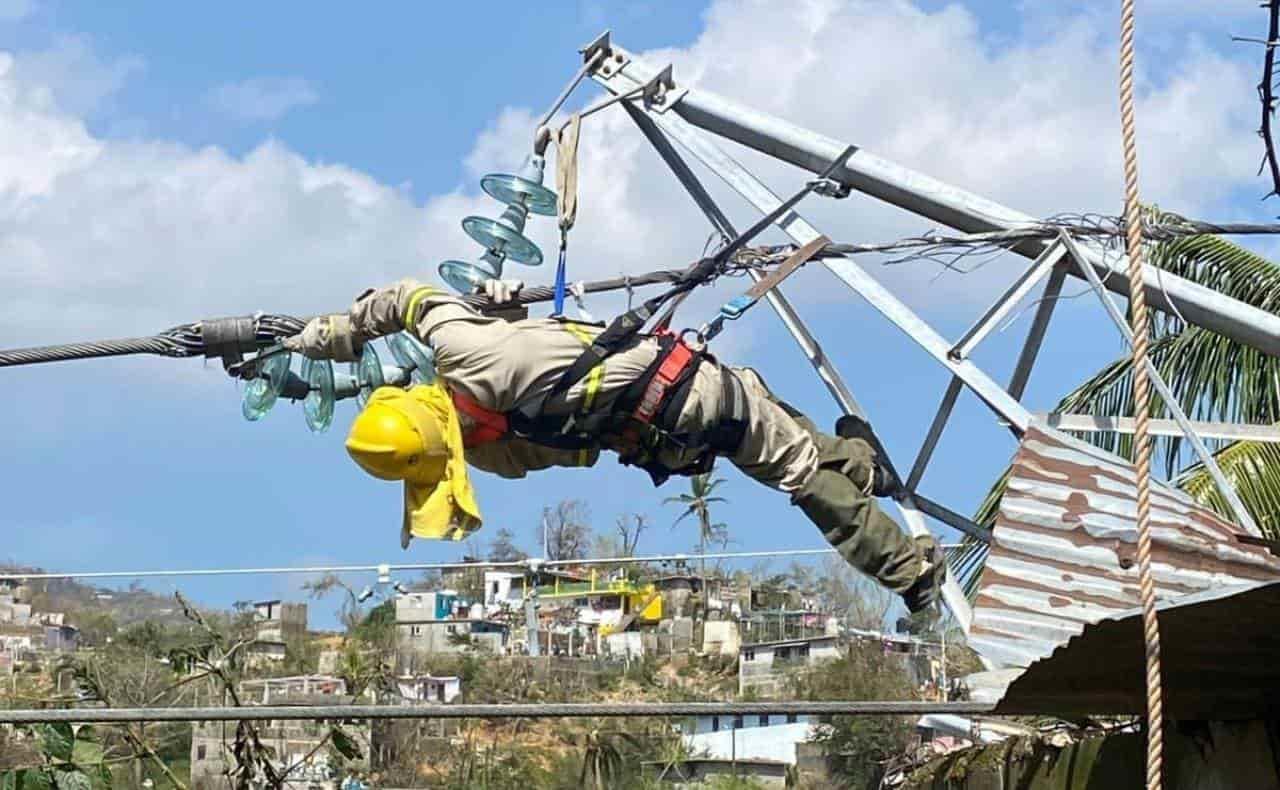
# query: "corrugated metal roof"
x,y
1064,549
1220,660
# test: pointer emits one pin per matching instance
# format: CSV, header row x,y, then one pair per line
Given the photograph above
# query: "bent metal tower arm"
x,y
929,197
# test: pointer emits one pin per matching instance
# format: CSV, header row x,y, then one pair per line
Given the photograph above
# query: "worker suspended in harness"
x,y
519,396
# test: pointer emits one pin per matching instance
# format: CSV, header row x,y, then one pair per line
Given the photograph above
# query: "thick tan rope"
x,y
1141,403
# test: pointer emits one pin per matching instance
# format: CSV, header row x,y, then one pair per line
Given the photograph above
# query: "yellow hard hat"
x,y
396,437
415,436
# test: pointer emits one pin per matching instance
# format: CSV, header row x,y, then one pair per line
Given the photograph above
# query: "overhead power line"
x,y
416,566
518,711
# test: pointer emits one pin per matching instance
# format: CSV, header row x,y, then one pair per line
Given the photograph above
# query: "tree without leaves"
x,y
565,530
350,613
629,529
503,547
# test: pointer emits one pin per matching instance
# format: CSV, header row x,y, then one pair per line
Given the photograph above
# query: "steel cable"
x,y
1141,402
100,348
187,340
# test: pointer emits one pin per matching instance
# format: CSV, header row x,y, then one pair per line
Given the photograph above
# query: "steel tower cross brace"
x,y
674,114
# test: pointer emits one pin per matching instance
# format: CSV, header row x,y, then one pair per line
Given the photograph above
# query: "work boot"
x,y
852,522
885,481
923,592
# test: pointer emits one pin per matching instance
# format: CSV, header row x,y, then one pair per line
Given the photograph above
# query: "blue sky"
x,y
157,167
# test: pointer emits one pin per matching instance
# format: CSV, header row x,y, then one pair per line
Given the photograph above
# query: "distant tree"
x,y
503,547
378,628
96,626
629,529
859,748
853,597
565,530
698,503
350,613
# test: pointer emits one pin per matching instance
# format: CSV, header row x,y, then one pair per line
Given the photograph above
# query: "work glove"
x,y
327,337
501,291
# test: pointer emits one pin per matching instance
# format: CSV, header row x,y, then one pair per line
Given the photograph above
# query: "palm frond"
x,y
1214,379
1221,265
1253,469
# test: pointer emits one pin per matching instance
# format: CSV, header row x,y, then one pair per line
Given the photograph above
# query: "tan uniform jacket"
x,y
502,364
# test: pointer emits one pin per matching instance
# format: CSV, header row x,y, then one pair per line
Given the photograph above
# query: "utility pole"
x,y
531,606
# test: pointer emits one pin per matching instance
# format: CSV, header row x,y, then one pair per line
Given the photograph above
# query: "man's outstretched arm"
x,y
385,311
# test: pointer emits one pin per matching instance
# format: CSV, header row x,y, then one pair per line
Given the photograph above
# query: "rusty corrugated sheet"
x,y
1063,554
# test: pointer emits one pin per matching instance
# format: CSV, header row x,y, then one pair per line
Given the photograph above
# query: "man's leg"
x,y
830,479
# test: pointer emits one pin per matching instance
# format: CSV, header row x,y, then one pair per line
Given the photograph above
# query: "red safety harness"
x,y
673,369
487,425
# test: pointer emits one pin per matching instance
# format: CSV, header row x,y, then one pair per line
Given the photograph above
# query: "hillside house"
x,y
276,624
761,737
763,665
292,741
429,688
441,622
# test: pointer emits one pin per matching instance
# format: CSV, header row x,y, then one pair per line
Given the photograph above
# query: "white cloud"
x,y
262,98
75,77
109,238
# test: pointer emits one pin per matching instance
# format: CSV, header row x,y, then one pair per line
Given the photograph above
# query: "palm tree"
x,y
698,503
603,762
1214,378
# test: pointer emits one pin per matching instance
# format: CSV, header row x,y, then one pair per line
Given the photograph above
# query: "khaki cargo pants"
x,y
828,477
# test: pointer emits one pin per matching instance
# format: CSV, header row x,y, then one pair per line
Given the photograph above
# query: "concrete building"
x,y
760,737
721,638
441,622
61,638
498,587
429,688
14,612
276,621
276,625
762,666
292,741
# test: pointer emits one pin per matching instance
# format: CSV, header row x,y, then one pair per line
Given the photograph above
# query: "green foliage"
x,y
63,757
1213,377
698,503
346,746
734,783
1253,469
96,626
378,628
858,747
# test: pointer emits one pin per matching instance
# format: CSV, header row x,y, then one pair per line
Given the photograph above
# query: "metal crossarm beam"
x,y
951,518
1008,300
935,432
1035,335
943,203
1243,518
1226,431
